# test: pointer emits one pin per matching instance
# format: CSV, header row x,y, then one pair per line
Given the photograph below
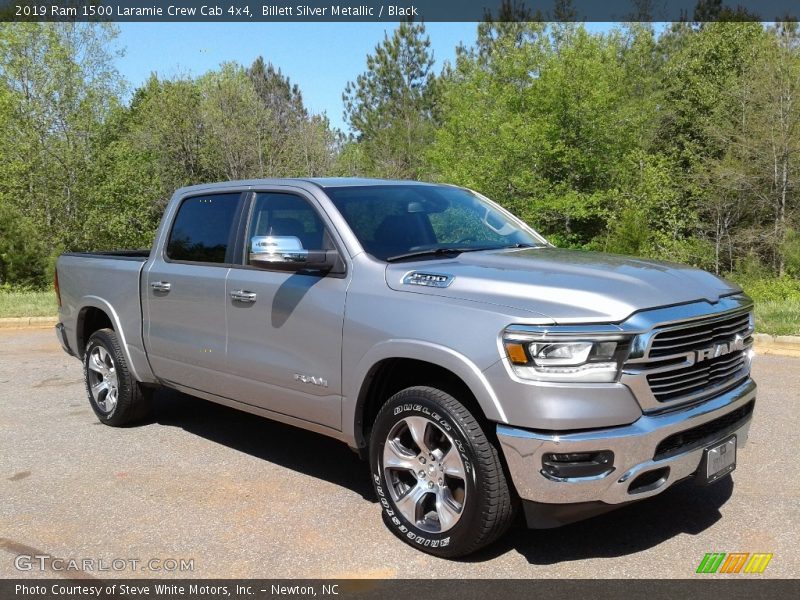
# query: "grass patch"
x,y
28,304
777,301
778,317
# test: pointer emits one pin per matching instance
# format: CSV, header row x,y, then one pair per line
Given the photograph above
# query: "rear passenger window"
x,y
202,230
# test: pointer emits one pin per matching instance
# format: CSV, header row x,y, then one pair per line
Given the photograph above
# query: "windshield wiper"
x,y
452,252
446,252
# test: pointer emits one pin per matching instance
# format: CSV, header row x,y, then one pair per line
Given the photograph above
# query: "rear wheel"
x,y
437,475
115,396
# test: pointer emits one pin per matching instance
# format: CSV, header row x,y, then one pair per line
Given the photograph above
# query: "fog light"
x,y
571,465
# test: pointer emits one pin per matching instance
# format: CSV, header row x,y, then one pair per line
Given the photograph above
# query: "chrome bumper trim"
x,y
633,446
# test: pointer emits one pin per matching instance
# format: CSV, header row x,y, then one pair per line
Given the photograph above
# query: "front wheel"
x,y
438,477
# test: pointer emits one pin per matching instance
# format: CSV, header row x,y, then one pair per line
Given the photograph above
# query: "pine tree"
x,y
390,106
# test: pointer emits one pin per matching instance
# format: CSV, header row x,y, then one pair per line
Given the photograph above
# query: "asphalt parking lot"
x,y
241,496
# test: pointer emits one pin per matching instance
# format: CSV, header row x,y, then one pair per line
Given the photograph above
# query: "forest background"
x,y
679,143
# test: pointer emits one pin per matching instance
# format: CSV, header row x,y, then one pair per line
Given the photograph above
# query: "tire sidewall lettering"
x,y
392,517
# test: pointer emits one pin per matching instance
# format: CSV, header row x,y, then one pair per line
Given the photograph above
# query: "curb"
x,y
28,322
783,345
778,339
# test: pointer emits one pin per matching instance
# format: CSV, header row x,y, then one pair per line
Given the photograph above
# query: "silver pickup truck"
x,y
480,370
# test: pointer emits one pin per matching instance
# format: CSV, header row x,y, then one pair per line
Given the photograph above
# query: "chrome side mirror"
x,y
275,248
287,253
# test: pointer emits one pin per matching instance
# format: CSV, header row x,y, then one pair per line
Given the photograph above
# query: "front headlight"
x,y
566,358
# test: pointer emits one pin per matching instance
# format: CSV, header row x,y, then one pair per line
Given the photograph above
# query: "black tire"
x,y
487,508
132,399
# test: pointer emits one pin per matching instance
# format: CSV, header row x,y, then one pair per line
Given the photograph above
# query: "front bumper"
x,y
634,447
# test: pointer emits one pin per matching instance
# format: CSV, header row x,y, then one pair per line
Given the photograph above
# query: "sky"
x,y
320,57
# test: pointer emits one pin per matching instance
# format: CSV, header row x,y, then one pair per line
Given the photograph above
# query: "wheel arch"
x,y
395,365
96,313
91,318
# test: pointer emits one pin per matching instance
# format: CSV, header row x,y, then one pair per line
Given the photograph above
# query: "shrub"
x,y
775,289
24,259
791,252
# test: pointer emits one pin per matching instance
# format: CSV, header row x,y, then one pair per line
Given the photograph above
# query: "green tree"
x,y
24,255
750,184
61,84
294,142
704,61
540,118
166,124
390,107
129,192
232,116
484,103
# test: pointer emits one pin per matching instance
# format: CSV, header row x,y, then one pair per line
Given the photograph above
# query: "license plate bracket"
x,y
718,461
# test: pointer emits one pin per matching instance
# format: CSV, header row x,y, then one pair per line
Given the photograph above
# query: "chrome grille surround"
x,y
690,361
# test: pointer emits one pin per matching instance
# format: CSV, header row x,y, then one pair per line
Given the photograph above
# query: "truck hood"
x,y
566,286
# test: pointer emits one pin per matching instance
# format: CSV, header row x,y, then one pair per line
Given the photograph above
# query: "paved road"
x,y
245,497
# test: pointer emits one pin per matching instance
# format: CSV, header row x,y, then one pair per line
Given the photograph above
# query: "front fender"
x,y
436,354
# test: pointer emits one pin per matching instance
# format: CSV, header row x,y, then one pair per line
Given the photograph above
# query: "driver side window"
x,y
287,215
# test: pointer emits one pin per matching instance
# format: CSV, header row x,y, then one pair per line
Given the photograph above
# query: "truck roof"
x,y
322,182
326,182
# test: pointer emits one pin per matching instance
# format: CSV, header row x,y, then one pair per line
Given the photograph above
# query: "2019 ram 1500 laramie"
x,y
479,369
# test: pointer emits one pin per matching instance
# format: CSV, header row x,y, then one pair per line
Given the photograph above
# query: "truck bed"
x,y
110,282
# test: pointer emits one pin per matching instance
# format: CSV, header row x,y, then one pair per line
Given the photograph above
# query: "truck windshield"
x,y
395,222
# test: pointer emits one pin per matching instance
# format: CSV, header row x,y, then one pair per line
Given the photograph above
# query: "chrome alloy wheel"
x,y
425,474
103,381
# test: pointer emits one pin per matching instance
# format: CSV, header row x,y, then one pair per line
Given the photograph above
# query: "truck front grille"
x,y
720,372
693,360
695,336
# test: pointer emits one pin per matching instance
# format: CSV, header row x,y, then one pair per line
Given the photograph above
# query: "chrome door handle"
x,y
243,296
161,286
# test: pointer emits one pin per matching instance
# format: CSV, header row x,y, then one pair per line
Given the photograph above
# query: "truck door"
x,y
285,328
185,292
